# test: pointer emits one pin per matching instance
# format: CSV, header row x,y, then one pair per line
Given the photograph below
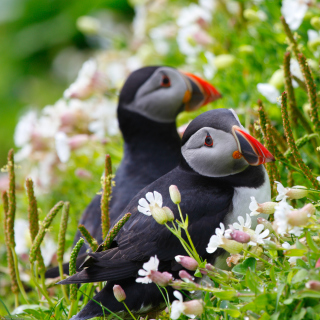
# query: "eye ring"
x,y
165,81
208,141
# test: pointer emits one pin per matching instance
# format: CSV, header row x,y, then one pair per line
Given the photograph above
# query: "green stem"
x,y
20,285
71,309
63,287
195,253
166,300
16,300
129,311
44,292
86,297
257,257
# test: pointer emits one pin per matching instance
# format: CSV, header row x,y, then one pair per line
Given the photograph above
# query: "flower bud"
x,y
298,218
240,236
194,307
310,209
210,267
232,246
297,192
315,22
256,250
169,213
187,262
313,285
88,25
224,61
318,263
265,223
175,194
162,279
277,79
251,15
269,245
185,276
119,293
158,214
78,141
267,207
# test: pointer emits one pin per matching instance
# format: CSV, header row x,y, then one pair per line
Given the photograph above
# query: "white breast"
x,y
241,200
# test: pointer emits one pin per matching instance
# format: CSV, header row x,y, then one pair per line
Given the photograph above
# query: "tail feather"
x,y
54,272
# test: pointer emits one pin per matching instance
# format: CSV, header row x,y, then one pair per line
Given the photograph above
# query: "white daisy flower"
x,y
155,199
269,91
148,267
253,207
216,240
259,236
243,225
294,12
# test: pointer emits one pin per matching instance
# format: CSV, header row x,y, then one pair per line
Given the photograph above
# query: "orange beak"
x,y
250,148
199,92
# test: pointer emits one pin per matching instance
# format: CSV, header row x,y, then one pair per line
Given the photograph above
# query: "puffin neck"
x,y
140,132
251,177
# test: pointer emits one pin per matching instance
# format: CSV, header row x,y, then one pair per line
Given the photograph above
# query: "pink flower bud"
x,y
298,217
169,213
309,208
184,275
318,263
193,307
119,293
175,194
83,174
78,141
162,279
313,285
210,267
187,262
240,236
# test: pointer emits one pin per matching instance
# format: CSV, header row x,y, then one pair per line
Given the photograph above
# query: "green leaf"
x,y
301,246
300,276
272,275
296,252
242,268
313,246
299,315
279,293
197,273
253,281
225,295
289,277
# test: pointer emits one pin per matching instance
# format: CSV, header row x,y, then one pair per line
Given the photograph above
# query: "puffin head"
x,y
160,93
215,144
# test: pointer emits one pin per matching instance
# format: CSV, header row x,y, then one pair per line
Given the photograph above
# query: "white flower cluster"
x,y
84,116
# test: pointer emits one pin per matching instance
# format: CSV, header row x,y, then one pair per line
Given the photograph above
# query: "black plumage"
x,y
206,200
151,142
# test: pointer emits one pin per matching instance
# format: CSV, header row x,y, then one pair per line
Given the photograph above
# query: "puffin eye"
x,y
165,81
208,141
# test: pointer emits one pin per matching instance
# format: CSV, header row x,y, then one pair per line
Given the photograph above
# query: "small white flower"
x,y
177,306
24,128
148,267
62,146
269,91
295,71
259,236
243,224
154,199
281,191
191,14
216,240
318,178
294,12
286,245
253,206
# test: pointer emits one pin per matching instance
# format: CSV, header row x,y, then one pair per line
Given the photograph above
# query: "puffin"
x,y
221,167
149,103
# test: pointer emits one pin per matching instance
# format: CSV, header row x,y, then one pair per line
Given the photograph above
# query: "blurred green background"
x,y
35,36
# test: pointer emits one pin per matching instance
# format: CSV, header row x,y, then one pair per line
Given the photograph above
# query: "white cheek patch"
x,y
215,161
160,104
